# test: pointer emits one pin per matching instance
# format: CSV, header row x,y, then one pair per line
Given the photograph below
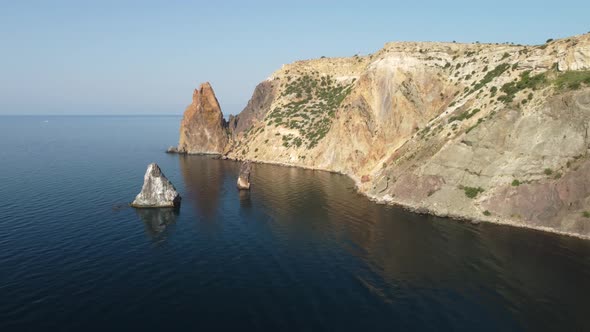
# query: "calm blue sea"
x,y
300,252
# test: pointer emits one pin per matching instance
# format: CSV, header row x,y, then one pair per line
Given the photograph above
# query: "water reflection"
x,y
157,220
245,201
204,179
317,232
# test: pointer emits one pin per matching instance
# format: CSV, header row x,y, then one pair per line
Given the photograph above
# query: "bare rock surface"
x,y
157,191
482,132
244,177
203,129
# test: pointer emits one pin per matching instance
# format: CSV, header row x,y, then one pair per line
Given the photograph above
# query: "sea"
x,y
301,251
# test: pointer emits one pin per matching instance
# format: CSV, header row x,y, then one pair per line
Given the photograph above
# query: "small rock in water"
x,y
157,191
244,178
172,149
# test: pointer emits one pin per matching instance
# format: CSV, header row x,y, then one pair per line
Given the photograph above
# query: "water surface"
x,y
300,252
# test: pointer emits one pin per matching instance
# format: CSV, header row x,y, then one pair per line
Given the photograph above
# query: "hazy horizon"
x,y
132,58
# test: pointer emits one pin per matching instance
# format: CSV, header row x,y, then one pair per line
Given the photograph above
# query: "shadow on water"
x,y
156,221
476,273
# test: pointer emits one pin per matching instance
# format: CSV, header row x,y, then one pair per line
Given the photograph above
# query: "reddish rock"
x,y
203,128
365,178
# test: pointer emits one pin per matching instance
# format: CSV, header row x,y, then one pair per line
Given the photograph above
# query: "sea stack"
x,y
244,178
157,191
203,129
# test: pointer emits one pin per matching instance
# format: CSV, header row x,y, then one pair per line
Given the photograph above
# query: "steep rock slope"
x,y
203,129
483,132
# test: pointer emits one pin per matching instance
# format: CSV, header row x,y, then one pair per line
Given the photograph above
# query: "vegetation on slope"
x,y
526,81
312,111
490,75
573,80
568,80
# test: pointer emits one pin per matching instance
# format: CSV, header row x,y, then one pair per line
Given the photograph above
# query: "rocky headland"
x,y
482,132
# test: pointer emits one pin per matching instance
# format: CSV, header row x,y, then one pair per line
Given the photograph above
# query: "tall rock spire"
x,y
203,128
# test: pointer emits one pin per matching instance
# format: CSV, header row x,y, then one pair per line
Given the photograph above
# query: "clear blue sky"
x,y
145,57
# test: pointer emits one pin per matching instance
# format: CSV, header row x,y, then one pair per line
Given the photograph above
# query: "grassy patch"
x,y
586,214
572,80
515,183
487,213
548,171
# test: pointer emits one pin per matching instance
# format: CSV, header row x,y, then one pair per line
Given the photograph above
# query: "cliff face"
x,y
203,129
482,132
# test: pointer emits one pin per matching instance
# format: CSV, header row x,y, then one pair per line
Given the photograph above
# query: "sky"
x,y
146,57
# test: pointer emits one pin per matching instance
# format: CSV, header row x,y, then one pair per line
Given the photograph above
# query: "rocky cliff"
x,y
484,132
203,128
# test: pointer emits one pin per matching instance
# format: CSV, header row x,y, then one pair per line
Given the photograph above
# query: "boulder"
x,y
157,191
172,149
244,177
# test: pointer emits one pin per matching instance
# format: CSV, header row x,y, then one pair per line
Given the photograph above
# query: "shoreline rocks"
x,y
157,191
244,177
172,149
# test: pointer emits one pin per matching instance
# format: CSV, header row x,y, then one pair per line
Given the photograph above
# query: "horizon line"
x,y
41,115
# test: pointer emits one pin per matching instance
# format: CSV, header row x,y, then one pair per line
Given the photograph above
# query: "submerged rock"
x,y
157,191
244,178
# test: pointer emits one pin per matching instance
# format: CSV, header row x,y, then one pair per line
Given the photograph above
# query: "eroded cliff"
x,y
203,128
476,131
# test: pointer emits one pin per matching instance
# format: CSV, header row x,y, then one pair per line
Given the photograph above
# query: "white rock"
x,y
157,191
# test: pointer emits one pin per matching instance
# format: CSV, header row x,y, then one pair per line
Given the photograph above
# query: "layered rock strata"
x,y
485,132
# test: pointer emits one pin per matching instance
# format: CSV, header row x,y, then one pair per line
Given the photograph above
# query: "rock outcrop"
x,y
157,191
203,129
485,132
257,107
244,177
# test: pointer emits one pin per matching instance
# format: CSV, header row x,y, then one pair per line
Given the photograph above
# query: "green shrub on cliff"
x,y
464,116
491,75
316,100
472,192
526,81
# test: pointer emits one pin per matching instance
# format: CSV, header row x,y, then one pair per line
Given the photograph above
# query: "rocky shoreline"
x,y
422,209
480,132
